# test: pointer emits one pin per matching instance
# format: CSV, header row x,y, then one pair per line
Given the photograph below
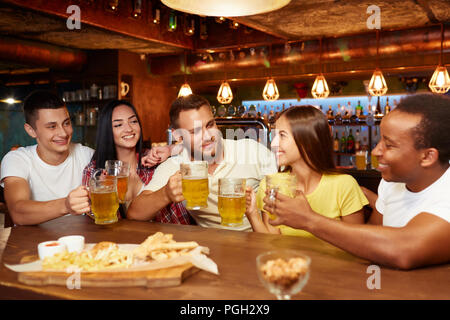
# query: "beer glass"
x,y
361,160
194,183
104,200
283,182
231,201
121,170
374,161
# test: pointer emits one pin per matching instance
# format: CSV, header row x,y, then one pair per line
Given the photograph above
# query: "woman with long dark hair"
x,y
303,146
119,137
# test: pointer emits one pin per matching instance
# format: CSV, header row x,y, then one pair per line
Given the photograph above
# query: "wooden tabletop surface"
x,y
335,274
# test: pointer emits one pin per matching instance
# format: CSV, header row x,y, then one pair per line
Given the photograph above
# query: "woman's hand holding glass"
x,y
294,212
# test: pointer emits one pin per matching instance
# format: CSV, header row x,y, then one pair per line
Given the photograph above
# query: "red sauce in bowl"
x,y
53,244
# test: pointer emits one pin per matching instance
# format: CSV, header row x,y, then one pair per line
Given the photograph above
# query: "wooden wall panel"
x,y
152,96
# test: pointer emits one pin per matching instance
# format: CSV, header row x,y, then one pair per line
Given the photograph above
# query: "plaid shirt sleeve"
x,y
174,213
87,173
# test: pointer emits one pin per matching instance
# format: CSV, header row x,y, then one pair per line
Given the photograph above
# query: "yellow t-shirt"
x,y
337,195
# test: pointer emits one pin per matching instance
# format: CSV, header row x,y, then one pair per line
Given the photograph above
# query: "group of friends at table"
x,y
409,226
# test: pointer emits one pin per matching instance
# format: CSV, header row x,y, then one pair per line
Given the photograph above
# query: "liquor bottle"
x,y
359,110
375,138
349,110
387,107
271,117
350,143
365,145
241,110
336,143
231,111
221,111
343,143
330,112
252,110
284,107
357,142
378,110
265,112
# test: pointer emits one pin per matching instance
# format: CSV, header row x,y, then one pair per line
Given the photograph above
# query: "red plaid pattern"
x,y
174,213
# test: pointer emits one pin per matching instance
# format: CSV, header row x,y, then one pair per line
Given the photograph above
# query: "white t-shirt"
x,y
244,158
398,205
47,182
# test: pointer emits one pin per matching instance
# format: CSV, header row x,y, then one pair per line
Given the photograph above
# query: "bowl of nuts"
x,y
283,272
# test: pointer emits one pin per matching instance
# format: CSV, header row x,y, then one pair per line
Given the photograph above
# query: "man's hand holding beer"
x,y
77,202
173,188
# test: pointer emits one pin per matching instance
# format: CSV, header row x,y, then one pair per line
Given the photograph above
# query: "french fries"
x,y
107,255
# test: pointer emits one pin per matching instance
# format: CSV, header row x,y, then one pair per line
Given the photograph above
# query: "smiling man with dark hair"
x,y
410,225
43,181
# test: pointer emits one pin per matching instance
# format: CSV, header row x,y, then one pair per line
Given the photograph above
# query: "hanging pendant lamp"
x,y
225,95
440,81
270,92
185,89
320,88
377,84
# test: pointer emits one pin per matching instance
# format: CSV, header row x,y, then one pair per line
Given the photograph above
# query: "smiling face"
x,y
201,134
125,127
283,144
52,131
399,160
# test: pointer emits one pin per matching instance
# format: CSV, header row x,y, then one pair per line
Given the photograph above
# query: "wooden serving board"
x,y
167,277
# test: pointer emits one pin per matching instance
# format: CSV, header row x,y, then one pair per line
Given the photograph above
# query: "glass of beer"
x,y
283,182
104,199
121,170
194,181
361,160
374,161
231,201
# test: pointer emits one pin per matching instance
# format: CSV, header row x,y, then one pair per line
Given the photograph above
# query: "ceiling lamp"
x,y
189,25
225,95
377,84
10,101
112,5
185,89
440,81
270,92
137,9
228,8
172,26
156,15
320,88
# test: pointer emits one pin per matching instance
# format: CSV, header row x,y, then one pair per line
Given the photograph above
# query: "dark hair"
x,y
433,130
189,102
312,136
40,99
105,147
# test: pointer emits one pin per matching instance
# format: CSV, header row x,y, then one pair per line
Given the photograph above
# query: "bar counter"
x,y
335,274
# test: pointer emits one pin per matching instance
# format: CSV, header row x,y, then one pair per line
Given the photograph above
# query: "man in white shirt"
x,y
410,225
193,121
43,181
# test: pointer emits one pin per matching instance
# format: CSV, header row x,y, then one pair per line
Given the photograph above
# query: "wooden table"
x,y
335,274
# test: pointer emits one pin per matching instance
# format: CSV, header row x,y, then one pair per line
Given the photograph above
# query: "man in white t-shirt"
x,y
193,121
410,225
43,181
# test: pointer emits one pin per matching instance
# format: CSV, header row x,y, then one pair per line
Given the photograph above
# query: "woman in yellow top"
x,y
303,145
